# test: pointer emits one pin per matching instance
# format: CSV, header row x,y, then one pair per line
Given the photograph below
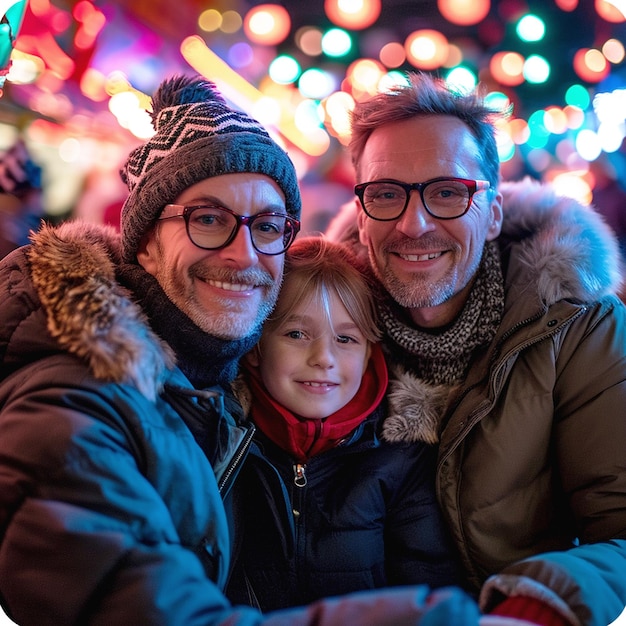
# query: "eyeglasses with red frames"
x,y
445,198
212,227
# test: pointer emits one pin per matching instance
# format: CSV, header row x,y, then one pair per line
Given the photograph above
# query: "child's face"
x,y
308,366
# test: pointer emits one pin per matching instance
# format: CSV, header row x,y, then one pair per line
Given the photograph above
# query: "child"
x,y
330,508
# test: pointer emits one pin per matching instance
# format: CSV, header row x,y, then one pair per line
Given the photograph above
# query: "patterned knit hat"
x,y
197,136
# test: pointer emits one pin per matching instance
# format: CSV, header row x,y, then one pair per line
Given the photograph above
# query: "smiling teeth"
x,y
421,257
314,384
231,286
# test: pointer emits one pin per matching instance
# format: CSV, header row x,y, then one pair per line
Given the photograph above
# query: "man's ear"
x,y
360,220
147,253
495,224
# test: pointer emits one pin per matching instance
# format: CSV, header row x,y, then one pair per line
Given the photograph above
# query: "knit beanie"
x,y
197,136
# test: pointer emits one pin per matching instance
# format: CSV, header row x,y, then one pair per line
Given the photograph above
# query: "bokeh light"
x,y
531,28
352,14
267,24
336,42
590,65
392,54
464,12
613,50
613,11
309,40
507,68
426,49
284,69
588,144
536,69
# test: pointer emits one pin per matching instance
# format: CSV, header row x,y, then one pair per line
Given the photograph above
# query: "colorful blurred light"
x,y
566,5
267,24
316,83
464,12
461,79
284,69
588,144
507,68
555,120
506,147
531,28
572,185
426,49
210,20
518,130
392,54
575,116
578,96
336,42
363,76
591,65
309,40
536,69
231,22
611,10
352,14
613,50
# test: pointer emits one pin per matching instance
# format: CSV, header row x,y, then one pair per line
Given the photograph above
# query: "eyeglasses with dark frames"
x,y
212,227
445,198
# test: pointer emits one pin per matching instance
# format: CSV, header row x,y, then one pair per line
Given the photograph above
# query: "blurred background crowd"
x,y
81,73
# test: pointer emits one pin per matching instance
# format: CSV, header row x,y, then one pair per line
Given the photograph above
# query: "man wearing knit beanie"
x,y
198,136
120,441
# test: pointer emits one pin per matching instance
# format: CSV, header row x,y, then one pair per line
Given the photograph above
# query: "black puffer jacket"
x,y
359,516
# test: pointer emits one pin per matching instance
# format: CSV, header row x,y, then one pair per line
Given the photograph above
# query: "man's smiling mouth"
x,y
239,287
420,257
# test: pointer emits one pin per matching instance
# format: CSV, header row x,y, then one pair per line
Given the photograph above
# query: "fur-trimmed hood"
x,y
565,250
569,248
87,313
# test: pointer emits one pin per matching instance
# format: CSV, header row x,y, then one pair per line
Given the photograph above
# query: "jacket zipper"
x,y
299,478
240,454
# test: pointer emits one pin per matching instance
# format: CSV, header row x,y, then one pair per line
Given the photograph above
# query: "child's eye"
x,y
346,339
295,334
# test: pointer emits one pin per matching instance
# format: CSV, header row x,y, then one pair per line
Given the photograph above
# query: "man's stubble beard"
x,y
420,292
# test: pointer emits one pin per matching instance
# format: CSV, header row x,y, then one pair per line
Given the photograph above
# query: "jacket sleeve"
x,y
87,538
587,582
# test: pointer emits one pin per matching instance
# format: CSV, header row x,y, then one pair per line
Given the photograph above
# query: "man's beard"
x,y
419,292
227,324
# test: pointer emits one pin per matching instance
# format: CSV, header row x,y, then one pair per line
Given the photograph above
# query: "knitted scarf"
x,y
205,360
427,365
305,438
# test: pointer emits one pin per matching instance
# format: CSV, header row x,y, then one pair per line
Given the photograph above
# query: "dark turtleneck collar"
x,y
205,360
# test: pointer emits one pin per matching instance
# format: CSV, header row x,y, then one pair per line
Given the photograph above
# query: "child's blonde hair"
x,y
316,267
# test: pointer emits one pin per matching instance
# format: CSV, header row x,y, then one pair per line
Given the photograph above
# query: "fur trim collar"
x,y
415,408
570,250
88,312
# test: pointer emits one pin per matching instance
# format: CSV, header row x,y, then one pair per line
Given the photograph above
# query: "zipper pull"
x,y
299,476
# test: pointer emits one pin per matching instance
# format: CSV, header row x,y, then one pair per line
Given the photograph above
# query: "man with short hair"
x,y
119,445
508,346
